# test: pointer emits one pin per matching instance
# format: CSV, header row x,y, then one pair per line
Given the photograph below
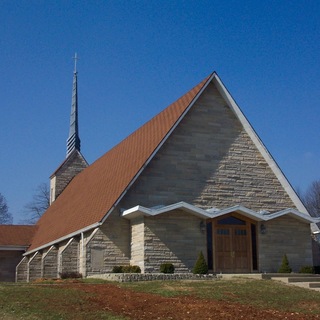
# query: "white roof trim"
x,y
258,143
139,211
243,210
294,213
66,237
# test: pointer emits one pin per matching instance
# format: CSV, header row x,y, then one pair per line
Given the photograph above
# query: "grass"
x,y
264,294
31,301
52,301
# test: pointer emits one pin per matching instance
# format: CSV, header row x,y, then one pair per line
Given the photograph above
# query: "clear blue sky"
x,y
136,57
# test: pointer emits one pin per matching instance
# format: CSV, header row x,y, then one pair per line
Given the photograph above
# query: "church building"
x,y
195,178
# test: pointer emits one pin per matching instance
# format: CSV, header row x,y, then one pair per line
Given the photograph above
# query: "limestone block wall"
x,y
209,161
35,267
8,262
137,242
110,245
69,256
50,263
284,235
22,270
173,237
69,169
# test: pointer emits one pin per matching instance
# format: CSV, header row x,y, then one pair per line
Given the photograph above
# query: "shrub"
x,y
131,269
126,269
201,266
285,267
167,268
70,275
117,269
306,269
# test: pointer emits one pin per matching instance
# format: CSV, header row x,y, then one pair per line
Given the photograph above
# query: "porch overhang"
x,y
258,216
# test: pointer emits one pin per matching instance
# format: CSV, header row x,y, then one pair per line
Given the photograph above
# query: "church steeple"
x,y
74,162
73,142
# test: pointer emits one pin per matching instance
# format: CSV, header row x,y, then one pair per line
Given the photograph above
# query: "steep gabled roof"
x,y
93,192
16,235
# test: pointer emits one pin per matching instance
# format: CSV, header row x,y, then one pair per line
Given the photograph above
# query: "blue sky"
x,y
136,57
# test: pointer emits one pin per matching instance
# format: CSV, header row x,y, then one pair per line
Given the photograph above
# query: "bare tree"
x,y
5,215
39,204
311,199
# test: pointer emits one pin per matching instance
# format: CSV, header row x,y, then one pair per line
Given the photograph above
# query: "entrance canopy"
x,y
139,211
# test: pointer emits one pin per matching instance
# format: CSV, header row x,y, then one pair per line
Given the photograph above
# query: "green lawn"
x,y
54,301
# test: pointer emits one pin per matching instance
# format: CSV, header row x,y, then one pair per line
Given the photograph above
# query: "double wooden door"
x,y
232,245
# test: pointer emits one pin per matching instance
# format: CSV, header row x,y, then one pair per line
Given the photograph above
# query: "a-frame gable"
x,y
277,196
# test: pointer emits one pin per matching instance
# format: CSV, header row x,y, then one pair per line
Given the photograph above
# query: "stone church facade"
x,y
194,178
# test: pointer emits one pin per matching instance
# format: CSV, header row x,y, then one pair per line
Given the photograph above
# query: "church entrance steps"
x,y
309,281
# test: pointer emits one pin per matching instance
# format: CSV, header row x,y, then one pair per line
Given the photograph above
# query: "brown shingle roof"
x,y
16,235
94,191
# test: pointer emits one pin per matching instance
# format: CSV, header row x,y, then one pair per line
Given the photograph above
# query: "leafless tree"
x,y
311,199
5,215
39,204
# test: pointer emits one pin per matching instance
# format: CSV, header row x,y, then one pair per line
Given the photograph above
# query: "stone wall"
x,y
284,235
73,165
8,262
209,161
35,267
110,245
69,256
22,270
137,242
50,263
173,237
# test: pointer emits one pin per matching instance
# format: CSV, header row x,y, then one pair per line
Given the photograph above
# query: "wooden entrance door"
x,y
232,245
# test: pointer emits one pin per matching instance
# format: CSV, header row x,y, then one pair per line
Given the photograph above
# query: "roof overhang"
x,y
13,248
140,211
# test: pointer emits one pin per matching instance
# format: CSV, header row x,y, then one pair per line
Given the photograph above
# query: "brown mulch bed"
x,y
137,305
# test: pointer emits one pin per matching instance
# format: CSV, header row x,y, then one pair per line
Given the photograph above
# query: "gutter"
x,y
70,235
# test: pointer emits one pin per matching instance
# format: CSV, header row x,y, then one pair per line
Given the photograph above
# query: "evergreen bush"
x,y
201,266
126,269
70,275
306,269
285,267
167,268
117,269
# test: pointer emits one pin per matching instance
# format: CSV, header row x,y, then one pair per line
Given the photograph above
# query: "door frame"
x,y
252,241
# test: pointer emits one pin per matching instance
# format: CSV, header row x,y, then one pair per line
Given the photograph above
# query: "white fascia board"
x,y
293,213
143,211
259,144
13,248
242,210
73,234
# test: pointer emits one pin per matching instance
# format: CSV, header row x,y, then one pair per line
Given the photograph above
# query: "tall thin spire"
x,y
73,142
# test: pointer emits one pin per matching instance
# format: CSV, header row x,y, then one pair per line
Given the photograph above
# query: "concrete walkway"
x,y
309,281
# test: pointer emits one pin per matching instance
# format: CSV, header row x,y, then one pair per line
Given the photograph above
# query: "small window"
x,y
232,220
224,232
